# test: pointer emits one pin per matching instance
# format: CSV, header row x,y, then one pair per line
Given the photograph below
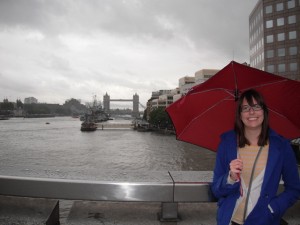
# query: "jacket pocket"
x,y
261,214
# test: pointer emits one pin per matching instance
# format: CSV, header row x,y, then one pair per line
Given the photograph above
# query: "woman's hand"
x,y
236,167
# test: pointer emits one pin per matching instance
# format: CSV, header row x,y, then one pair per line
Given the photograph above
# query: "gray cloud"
x,y
56,49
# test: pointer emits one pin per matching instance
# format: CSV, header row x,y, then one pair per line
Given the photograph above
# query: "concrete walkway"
x,y
113,213
33,211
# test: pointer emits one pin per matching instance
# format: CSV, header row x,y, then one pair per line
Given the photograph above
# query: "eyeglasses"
x,y
247,108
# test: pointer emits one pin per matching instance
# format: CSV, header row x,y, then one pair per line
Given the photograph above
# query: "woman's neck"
x,y
252,135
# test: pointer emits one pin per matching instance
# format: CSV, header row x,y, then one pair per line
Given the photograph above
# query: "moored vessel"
x,y
88,126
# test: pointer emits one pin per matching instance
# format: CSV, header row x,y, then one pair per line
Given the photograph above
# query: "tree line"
x,y
158,117
70,107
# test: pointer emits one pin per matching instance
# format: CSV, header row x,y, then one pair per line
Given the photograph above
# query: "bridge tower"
x,y
135,103
135,107
106,103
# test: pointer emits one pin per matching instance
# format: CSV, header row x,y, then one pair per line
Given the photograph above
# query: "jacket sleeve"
x,y
291,181
220,187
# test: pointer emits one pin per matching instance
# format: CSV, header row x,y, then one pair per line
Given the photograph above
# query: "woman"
x,y
253,156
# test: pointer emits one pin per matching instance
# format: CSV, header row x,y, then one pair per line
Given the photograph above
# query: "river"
x,y
31,145
56,148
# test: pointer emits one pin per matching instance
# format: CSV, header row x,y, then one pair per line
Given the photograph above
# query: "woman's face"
x,y
252,117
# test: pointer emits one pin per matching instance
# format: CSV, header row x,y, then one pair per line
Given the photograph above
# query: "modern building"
x,y
164,98
274,37
185,84
204,74
163,101
160,98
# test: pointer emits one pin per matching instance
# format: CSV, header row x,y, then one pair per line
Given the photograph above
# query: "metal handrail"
x,y
188,186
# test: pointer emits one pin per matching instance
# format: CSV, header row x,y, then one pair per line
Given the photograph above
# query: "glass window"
x,y
291,4
281,67
270,53
280,21
270,68
269,23
293,66
279,7
281,52
270,38
280,37
292,19
269,9
292,35
293,50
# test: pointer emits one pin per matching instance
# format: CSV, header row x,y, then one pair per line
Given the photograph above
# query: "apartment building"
x,y
160,98
274,37
163,98
204,74
185,84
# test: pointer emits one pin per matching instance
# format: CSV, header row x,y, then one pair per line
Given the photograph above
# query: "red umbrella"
x,y
208,109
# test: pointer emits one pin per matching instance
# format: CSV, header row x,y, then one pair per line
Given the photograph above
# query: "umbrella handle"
x,y
241,187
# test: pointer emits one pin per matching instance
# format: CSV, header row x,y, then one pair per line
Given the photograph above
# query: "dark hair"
x,y
249,95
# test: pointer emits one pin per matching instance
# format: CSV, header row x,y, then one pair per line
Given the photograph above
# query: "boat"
x,y
141,125
88,126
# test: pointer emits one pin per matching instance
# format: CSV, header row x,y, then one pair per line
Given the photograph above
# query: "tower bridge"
x,y
134,100
121,100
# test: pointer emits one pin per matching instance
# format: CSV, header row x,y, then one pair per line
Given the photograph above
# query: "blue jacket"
x,y
281,163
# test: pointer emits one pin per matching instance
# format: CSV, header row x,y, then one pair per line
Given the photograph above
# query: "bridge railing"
x,y
169,188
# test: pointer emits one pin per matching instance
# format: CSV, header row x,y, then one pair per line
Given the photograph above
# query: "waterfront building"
x,y
163,101
274,37
164,98
176,94
160,98
204,75
30,100
185,84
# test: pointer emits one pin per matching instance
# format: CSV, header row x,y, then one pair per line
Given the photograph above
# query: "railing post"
x,y
169,212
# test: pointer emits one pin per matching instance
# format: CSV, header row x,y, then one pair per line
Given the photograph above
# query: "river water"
x,y
31,145
56,148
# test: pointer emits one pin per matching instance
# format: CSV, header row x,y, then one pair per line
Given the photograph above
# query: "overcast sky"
x,y
55,50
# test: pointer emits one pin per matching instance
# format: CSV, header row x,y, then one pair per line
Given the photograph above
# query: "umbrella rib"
x,y
277,113
213,89
271,83
214,105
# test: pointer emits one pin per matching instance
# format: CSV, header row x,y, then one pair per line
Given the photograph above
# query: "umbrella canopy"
x,y
208,109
